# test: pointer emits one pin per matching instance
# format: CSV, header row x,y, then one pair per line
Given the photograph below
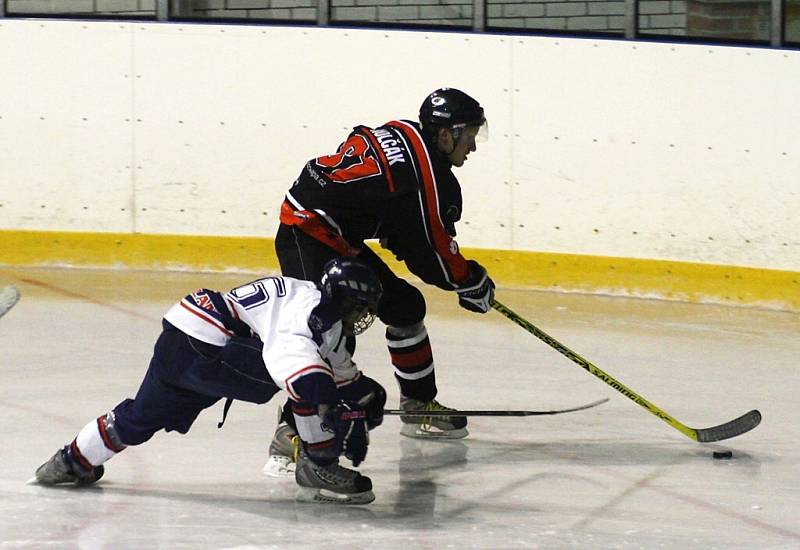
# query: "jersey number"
x,y
254,294
350,162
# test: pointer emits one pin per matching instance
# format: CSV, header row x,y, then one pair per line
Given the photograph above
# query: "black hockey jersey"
x,y
384,183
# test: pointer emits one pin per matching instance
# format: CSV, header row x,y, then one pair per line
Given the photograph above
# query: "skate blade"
x,y
279,466
417,431
32,481
323,496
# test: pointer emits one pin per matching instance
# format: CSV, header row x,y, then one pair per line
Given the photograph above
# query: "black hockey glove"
x,y
370,395
374,407
348,421
477,292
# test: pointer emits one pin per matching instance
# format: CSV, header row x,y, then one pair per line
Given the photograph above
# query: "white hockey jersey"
x,y
276,310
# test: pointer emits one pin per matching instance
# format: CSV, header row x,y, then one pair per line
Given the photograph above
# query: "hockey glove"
x,y
477,292
374,406
348,421
370,395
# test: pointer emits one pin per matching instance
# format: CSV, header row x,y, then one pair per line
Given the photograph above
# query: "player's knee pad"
x,y
401,305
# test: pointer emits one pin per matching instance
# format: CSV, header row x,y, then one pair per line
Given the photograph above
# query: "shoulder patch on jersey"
x,y
203,300
453,247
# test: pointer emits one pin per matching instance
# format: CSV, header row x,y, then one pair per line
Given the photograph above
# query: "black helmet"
x,y
353,290
450,108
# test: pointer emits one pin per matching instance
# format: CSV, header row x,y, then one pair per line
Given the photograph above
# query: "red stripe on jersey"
x,y
441,239
326,370
209,320
382,156
350,381
301,372
292,394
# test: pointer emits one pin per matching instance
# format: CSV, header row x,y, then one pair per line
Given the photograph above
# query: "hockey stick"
x,y
735,427
401,412
8,297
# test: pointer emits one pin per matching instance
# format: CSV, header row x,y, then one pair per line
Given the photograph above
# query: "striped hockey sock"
x,y
96,443
410,351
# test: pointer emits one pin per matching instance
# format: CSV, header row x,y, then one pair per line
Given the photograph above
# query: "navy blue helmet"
x,y
353,289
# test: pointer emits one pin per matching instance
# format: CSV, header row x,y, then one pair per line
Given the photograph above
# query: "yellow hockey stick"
x,y
736,427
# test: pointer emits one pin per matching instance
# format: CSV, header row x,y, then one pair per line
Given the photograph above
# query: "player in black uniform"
x,y
393,183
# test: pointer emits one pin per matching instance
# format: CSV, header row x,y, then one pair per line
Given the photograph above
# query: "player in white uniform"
x,y
274,333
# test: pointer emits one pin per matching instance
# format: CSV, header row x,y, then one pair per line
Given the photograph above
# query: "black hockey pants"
x,y
402,304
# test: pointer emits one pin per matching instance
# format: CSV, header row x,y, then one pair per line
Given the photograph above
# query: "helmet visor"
x,y
476,132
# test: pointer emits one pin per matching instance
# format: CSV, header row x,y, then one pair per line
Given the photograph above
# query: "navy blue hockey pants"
x,y
186,376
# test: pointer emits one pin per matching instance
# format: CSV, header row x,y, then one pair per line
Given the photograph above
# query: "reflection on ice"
x,y
609,477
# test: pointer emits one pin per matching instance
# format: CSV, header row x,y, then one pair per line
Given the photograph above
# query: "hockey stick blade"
x,y
741,425
400,412
734,428
8,297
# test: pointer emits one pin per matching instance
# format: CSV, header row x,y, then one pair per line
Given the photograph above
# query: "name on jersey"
x,y
391,147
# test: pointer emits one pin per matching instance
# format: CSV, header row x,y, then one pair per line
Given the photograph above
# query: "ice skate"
x,y
282,451
330,484
431,427
61,469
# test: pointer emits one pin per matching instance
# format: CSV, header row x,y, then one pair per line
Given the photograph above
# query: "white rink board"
x,y
65,136
686,152
246,119
659,151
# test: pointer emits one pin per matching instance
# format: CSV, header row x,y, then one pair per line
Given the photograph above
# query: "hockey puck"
x,y
723,454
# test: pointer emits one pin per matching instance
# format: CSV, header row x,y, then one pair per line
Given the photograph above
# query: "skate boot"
x,y
282,450
330,484
431,427
62,468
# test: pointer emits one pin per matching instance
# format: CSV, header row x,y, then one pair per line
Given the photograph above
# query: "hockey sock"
x,y
97,442
320,445
410,351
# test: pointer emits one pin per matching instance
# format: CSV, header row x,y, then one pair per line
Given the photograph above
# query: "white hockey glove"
x,y
477,292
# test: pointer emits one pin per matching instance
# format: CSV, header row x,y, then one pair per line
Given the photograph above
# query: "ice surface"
x,y
615,476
